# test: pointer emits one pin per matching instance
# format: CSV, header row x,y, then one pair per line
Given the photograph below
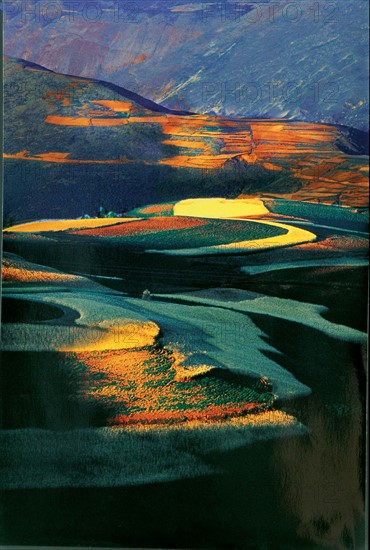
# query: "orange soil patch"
x,y
85,121
270,132
171,124
145,226
198,161
157,209
211,413
54,157
24,154
116,106
85,112
20,273
59,95
140,58
270,166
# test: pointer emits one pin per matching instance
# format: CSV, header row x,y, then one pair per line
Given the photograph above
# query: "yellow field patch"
x,y
116,335
220,208
294,235
66,225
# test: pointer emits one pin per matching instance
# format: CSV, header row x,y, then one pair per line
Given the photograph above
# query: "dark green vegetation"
x,y
340,289
41,393
333,216
124,186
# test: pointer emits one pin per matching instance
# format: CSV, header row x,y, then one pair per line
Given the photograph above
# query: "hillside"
x,y
299,60
89,143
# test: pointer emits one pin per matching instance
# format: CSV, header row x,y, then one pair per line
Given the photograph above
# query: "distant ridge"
x,y
128,94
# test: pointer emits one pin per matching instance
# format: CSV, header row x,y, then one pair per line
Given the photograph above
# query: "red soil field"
x,y
142,227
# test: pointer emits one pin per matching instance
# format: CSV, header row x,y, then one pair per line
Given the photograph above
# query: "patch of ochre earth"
x,y
85,121
142,227
18,272
116,106
157,209
59,95
140,58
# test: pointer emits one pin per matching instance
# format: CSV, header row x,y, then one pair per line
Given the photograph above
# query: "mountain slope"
x,y
72,144
305,60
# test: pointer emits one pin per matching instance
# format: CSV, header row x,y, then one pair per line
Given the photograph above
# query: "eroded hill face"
x,y
92,143
305,61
